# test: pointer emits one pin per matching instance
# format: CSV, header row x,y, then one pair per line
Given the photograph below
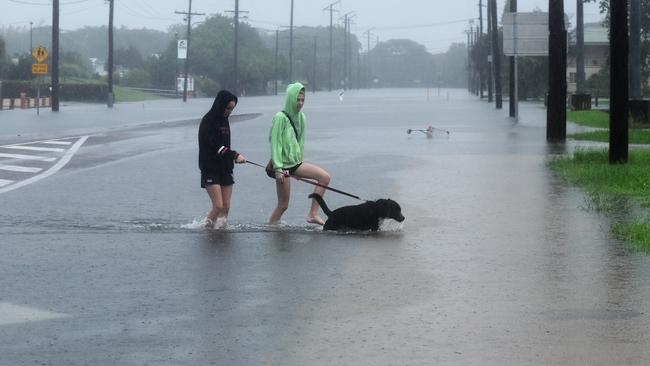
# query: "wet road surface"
x,y
497,262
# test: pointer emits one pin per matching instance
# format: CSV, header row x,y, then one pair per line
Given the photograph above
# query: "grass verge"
x,y
129,95
604,182
593,118
634,136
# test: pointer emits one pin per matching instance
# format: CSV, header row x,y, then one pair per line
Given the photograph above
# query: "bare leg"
x,y
284,193
311,171
214,191
222,217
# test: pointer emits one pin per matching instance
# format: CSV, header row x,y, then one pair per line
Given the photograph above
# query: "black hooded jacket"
x,y
215,155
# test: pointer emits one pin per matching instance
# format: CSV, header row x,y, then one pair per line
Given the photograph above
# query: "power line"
x,y
424,25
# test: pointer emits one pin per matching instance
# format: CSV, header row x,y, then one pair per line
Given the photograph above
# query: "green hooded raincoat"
x,y
287,149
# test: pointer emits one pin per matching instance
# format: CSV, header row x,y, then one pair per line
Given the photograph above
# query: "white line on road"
x,y
33,148
55,168
26,157
52,142
4,182
23,169
17,314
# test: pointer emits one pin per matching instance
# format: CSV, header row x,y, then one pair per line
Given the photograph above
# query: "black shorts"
x,y
222,179
271,173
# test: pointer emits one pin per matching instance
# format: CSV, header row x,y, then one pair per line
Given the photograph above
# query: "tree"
x,y
129,58
401,63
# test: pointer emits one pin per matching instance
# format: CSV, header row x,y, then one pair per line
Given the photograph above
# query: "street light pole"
x,y
110,54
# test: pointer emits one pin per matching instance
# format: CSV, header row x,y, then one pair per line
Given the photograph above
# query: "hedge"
x,y
78,92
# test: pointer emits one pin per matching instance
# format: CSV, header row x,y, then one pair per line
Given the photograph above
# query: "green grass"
x,y
592,118
129,95
635,136
609,184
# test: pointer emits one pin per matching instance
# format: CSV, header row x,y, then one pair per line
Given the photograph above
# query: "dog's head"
x,y
389,209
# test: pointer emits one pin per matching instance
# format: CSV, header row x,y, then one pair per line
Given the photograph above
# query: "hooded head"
x,y
291,103
220,103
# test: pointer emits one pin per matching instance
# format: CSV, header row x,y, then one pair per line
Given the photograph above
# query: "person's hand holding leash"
x,y
279,176
240,159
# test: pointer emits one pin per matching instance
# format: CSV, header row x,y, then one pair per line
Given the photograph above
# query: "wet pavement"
x,y
498,261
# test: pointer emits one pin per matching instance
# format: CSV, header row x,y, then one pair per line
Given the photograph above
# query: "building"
x,y
595,52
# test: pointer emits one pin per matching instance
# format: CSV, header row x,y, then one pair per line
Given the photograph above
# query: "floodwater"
x,y
498,261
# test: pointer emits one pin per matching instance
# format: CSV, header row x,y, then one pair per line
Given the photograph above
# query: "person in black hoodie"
x,y
216,158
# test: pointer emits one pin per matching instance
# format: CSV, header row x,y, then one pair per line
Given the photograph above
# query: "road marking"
x,y
55,168
22,169
33,148
53,142
16,314
4,182
26,157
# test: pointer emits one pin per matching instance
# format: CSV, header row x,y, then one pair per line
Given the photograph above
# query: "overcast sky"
x,y
434,23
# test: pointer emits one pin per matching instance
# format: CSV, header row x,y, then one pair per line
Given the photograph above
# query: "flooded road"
x,y
497,262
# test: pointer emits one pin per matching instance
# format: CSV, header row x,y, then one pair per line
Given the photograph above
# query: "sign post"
x,y
524,34
39,68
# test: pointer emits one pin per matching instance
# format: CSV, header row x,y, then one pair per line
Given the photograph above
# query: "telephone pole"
x,y
188,16
557,48
330,7
618,86
110,54
512,102
235,83
275,62
346,47
368,74
55,56
496,55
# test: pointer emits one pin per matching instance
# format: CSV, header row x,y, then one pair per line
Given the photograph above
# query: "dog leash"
x,y
313,183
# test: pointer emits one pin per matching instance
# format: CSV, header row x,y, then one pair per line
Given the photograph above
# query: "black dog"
x,y
360,217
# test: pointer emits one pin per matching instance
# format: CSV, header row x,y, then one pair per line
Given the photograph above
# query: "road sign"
x,y
182,49
40,53
39,69
525,34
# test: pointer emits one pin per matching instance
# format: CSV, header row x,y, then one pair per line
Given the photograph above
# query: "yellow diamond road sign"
x,y
40,53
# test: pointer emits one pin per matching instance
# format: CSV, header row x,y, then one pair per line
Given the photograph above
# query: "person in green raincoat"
x,y
287,138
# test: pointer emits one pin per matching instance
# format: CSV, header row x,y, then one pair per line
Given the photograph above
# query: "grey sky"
x,y
434,23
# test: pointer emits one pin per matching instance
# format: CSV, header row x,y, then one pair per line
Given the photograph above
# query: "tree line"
x,y
147,58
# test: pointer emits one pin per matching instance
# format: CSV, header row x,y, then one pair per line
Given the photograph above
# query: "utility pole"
x,y
314,72
468,66
346,48
512,102
330,7
479,42
55,56
350,74
496,55
235,82
291,46
490,32
110,54
188,16
176,65
619,92
580,43
556,110
275,62
368,74
31,38
635,49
